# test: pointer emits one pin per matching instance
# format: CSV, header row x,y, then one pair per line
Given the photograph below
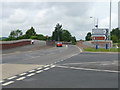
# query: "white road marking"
x,y
46,68
1,81
22,74
39,71
79,49
39,68
21,78
88,69
12,77
31,74
31,71
46,65
10,82
52,66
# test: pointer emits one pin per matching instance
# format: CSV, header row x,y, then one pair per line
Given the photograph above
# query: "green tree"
x,y
30,32
114,38
15,34
66,36
57,33
41,37
73,40
88,37
115,35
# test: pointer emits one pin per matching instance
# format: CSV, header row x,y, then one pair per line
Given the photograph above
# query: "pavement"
x,y
77,70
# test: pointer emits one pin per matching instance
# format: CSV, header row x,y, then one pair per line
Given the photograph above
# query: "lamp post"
x,y
95,21
109,23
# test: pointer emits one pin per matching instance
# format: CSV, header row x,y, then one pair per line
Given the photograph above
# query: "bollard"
x,y
106,46
96,46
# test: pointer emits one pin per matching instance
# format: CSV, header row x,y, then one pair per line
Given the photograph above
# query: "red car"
x,y
59,44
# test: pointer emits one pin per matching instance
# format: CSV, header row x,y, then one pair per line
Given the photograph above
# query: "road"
x,y
64,67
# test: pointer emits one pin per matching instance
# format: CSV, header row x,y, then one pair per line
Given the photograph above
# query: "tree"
x,y
41,37
114,38
57,33
73,40
30,32
15,34
88,37
66,36
115,35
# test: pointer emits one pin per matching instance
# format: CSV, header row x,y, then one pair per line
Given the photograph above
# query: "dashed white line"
x,y
22,74
31,71
10,82
46,65
1,81
12,77
39,71
46,68
31,74
39,68
52,66
21,78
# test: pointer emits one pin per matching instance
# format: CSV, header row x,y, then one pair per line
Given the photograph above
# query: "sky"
x,y
43,16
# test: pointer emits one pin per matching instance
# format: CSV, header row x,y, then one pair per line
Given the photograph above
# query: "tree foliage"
x,y
88,37
57,33
60,34
115,35
16,33
30,32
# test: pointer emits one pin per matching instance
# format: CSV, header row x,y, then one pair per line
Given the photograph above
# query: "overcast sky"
x,y
43,16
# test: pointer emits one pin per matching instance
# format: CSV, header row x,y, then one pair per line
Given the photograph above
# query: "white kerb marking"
x,y
31,71
21,78
12,77
46,68
22,74
31,74
39,71
10,82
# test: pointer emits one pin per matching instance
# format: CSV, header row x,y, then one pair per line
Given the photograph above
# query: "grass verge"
x,y
102,50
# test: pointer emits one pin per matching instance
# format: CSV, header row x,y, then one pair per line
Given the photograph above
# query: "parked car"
x,y
59,44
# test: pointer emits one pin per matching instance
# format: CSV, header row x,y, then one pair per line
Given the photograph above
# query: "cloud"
x,y
43,16
19,16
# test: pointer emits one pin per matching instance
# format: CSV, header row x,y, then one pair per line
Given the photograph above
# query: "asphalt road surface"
x,y
65,67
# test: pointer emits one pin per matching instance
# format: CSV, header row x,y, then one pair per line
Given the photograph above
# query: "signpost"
x,y
100,37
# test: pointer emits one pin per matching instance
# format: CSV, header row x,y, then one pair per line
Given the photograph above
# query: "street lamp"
x,y
109,23
95,20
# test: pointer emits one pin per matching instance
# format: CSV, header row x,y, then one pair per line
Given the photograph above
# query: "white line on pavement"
x,y
10,82
1,81
39,68
39,71
52,66
88,69
46,65
46,68
22,74
21,78
31,71
12,77
31,74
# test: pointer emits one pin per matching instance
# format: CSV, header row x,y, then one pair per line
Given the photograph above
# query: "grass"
x,y
102,50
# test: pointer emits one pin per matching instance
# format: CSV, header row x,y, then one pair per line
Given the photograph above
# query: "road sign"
x,y
99,31
99,34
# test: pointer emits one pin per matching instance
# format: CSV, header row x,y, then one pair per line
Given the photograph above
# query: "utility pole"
x,y
109,23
